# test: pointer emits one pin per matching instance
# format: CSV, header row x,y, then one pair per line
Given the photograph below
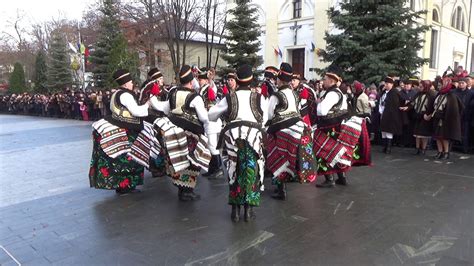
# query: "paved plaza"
x,y
404,210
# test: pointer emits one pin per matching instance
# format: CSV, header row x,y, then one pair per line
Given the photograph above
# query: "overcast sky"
x,y
40,10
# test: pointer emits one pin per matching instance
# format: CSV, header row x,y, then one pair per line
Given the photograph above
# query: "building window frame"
x,y
458,20
434,49
435,16
413,5
297,8
472,57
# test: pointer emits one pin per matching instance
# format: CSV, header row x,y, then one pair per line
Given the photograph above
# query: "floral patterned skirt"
x,y
108,173
290,155
187,177
246,188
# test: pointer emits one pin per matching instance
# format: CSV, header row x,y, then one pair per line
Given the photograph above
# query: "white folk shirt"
x,y
217,110
382,102
330,99
130,103
197,103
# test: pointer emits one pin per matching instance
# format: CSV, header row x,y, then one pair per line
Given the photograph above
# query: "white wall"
x,y
453,44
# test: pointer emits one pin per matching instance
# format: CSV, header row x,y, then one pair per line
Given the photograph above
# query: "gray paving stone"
x,y
403,203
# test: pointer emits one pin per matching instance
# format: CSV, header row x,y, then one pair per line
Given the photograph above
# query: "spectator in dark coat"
x,y
446,115
407,94
391,117
465,94
419,106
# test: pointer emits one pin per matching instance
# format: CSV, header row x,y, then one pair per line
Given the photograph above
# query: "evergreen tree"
x,y
41,76
377,38
242,43
17,81
111,50
59,71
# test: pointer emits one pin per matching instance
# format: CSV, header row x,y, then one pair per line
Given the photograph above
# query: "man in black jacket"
x,y
391,118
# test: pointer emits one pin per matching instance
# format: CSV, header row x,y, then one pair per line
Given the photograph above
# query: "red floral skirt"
x,y
108,173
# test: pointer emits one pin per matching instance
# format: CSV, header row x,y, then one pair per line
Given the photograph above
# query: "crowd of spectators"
x,y
363,100
88,105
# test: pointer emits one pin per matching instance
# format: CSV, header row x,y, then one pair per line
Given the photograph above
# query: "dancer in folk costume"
x,y
182,134
152,86
336,138
242,139
308,99
211,95
289,145
111,166
155,81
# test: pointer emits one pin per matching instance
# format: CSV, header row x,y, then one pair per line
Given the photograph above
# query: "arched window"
x,y
434,48
457,20
297,8
435,15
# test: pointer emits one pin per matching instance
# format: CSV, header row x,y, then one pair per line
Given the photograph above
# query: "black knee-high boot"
x,y
235,214
280,193
328,183
341,179
187,194
385,145
215,168
248,213
389,146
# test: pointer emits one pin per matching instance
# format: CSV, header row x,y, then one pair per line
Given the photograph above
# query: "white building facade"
x,y
294,30
450,41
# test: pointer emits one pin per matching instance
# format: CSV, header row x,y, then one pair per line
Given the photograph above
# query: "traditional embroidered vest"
x,y
244,105
181,114
120,114
286,112
287,107
336,114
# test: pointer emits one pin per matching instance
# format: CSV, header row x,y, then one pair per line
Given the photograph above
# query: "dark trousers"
x,y
466,135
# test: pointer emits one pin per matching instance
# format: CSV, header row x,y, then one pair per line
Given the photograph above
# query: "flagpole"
x,y
81,56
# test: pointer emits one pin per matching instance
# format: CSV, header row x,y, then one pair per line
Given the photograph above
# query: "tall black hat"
x,y
154,73
185,74
286,72
244,75
203,73
122,76
271,72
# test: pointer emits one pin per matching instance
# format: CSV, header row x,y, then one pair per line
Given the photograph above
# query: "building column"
x,y
320,26
425,70
271,34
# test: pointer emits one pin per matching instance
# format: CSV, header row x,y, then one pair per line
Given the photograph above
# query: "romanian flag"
x,y
277,51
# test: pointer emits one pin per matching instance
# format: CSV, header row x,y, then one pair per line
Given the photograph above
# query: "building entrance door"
x,y
298,61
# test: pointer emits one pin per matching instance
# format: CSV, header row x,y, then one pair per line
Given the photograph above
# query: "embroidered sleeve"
x,y
198,104
218,109
136,110
163,106
330,99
